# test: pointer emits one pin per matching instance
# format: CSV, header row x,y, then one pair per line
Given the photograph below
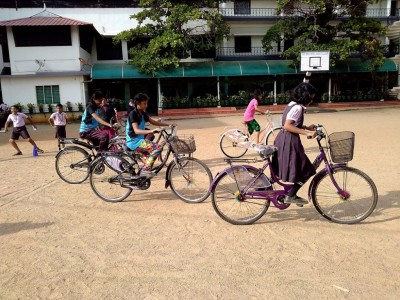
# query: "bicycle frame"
x,y
235,134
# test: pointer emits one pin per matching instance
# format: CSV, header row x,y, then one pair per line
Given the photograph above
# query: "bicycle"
x,y
234,143
113,177
73,161
242,194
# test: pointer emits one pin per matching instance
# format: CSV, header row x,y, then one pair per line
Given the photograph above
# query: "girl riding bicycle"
x,y
252,124
136,131
90,121
291,163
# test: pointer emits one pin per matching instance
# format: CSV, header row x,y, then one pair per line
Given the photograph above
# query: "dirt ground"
x,y
59,241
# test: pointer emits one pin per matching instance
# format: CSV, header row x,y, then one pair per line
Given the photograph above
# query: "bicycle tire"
x,y
350,179
230,147
271,136
225,201
73,161
194,189
101,173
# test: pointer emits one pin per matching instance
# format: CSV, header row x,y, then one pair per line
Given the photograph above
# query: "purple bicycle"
x,y
241,194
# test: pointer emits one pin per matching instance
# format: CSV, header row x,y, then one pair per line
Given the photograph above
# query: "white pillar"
x,y
275,91
329,89
218,93
159,94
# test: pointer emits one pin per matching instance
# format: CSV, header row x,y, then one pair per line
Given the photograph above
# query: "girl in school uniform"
x,y
58,121
291,159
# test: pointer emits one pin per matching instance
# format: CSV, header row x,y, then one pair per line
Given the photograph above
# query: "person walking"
x,y
18,121
291,163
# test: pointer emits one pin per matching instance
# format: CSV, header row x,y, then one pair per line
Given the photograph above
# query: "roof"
x,y
229,68
44,18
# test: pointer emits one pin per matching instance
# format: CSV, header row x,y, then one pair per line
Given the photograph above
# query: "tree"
x,y
339,26
167,30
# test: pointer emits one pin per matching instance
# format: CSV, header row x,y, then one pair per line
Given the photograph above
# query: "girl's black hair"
x,y
302,92
97,95
140,97
257,93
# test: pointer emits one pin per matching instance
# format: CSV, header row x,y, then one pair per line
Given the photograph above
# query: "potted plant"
x,y
69,106
80,106
41,108
50,108
31,107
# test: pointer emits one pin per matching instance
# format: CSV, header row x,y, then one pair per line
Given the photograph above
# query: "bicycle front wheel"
x,y
190,179
233,142
360,200
271,136
72,165
106,178
230,204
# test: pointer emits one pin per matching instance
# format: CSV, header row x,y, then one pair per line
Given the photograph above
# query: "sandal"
x,y
39,150
18,153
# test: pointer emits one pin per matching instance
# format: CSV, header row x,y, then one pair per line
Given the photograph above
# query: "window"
x,y
42,36
242,7
242,44
48,94
107,50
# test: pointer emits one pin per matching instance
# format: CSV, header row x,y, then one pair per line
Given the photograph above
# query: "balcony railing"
x,y
254,12
272,13
389,50
254,51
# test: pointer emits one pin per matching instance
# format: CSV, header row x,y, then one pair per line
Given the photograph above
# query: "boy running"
x,y
18,120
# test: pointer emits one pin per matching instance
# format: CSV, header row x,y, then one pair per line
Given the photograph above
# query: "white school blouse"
x,y
60,119
18,119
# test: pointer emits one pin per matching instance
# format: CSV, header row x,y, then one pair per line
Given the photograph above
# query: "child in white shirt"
x,y
58,120
18,120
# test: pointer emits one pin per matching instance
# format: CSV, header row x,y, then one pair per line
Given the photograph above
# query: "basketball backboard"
x,y
314,61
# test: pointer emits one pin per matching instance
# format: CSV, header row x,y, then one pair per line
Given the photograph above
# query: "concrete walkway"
x,y
207,111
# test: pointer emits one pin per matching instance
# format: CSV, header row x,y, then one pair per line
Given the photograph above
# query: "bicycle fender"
x,y
70,148
167,181
219,174
319,175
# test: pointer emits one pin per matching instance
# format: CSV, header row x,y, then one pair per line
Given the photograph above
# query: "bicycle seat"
x,y
265,150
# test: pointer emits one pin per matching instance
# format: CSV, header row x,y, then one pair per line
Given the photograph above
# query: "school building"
x,y
57,51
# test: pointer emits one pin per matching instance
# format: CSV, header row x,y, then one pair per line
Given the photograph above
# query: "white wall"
x,y
23,89
57,58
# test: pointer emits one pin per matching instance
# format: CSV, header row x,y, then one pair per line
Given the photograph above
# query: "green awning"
x,y
354,65
229,68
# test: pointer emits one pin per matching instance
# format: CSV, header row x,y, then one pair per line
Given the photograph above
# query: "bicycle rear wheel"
x,y
230,204
190,179
360,203
231,141
106,178
72,164
271,136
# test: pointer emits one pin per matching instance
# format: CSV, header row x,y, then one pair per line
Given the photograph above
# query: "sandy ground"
x,y
59,241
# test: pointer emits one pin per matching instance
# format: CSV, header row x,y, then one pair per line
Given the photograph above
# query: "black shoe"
x,y
295,200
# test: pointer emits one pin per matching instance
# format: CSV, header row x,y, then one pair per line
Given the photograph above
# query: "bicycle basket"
x,y
341,145
183,144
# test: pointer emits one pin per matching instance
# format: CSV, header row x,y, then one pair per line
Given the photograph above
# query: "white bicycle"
x,y
234,143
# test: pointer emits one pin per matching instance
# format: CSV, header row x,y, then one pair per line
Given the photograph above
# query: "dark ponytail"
x,y
302,93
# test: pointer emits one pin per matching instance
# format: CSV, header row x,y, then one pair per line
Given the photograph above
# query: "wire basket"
x,y
183,144
341,145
